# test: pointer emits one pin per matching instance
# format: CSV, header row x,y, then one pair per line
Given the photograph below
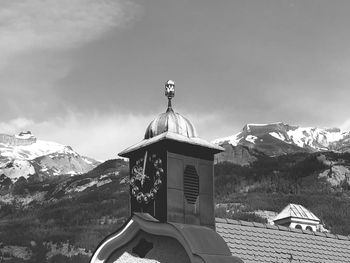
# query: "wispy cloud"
x,y
345,125
51,24
37,41
102,136
15,125
97,136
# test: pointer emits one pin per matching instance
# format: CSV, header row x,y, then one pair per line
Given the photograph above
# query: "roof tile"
x,y
245,223
255,242
221,220
330,235
283,228
233,222
271,227
308,232
258,224
320,234
296,230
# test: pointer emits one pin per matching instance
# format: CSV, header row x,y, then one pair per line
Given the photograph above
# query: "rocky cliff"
x,y
22,139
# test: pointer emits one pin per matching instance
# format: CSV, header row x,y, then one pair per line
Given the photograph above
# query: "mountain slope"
x,y
319,181
23,156
75,211
277,139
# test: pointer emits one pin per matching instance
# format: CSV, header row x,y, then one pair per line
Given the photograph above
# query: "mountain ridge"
x,y
23,155
274,139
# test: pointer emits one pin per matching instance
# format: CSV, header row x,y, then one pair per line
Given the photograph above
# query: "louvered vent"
x,y
191,184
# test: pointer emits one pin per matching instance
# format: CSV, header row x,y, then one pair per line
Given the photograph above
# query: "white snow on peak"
x,y
233,140
261,124
309,136
251,138
24,135
17,169
88,161
34,150
278,135
254,125
316,138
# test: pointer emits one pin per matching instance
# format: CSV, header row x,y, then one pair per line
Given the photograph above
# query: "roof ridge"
x,y
280,228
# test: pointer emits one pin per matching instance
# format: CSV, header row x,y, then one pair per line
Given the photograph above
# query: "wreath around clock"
x,y
137,170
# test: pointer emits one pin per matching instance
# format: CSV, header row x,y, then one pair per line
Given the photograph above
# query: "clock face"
x,y
146,177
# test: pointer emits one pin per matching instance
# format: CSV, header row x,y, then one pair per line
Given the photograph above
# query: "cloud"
x,y
15,125
345,125
98,136
38,39
102,136
51,24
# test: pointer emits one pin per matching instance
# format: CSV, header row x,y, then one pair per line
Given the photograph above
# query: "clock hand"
x,y
144,163
144,168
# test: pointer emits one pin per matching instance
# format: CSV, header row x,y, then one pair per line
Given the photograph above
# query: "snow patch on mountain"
x,y
303,137
59,163
82,185
252,125
233,140
24,155
277,139
34,150
17,169
251,138
278,135
317,138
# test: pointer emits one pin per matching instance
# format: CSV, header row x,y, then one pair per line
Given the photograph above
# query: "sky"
x,y
91,73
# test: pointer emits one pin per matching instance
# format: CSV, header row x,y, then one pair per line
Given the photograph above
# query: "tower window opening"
x,y
191,184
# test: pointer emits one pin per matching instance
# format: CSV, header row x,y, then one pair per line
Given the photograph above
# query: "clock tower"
x,y
171,170
171,198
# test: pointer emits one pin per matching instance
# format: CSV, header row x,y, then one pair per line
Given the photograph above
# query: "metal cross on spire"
x,y
169,92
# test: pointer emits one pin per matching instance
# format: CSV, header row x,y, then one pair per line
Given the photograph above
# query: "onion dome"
x,y
170,121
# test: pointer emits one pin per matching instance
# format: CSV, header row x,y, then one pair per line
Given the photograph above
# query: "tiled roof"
x,y
298,211
255,242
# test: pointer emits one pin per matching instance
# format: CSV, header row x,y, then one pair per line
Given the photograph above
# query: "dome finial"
x,y
169,92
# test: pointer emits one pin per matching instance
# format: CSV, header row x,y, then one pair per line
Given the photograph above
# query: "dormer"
x,y
297,216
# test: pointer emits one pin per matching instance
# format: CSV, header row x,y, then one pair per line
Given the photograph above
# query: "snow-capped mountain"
x,y
279,138
23,155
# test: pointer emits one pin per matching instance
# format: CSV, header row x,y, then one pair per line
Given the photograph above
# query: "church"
x,y
172,209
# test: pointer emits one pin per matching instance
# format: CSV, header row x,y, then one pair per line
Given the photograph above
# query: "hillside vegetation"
x,y
63,218
272,183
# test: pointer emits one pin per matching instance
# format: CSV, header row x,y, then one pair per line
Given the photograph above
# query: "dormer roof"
x,y
296,211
